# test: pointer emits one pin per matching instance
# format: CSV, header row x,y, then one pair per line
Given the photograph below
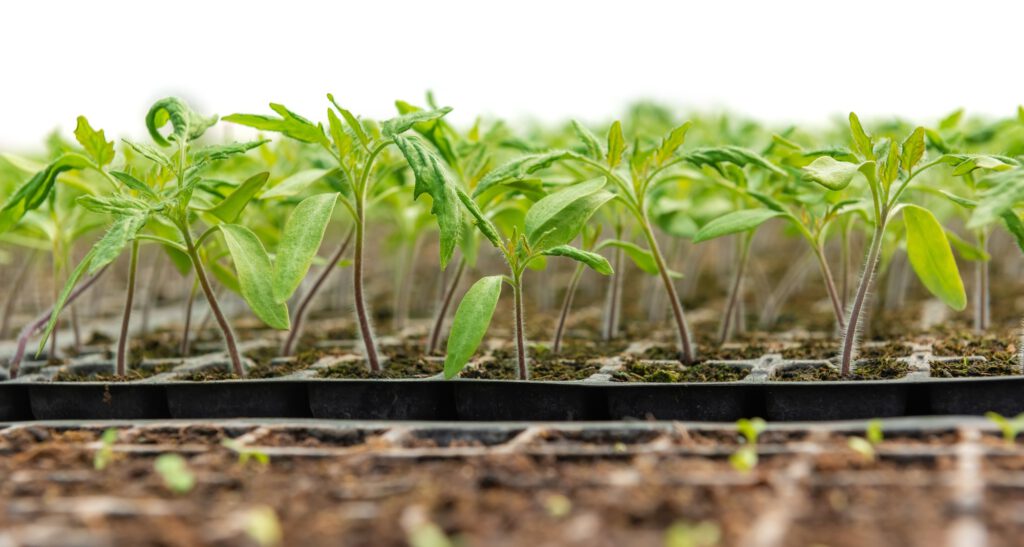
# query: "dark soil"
x,y
547,369
812,350
878,369
133,373
966,367
357,369
262,368
641,371
705,353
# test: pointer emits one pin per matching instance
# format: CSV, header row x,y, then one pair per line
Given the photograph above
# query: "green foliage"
x,y
175,473
1010,427
95,142
472,318
559,217
105,454
303,233
734,222
594,261
255,275
931,257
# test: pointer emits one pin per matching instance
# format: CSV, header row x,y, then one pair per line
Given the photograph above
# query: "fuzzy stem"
x,y
856,310
981,290
303,307
211,299
42,320
612,310
570,294
362,317
442,312
830,287
521,357
844,259
734,290
687,353
129,297
76,330
15,290
186,347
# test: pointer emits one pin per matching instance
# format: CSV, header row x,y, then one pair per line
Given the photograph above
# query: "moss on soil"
x,y
728,353
549,369
963,368
876,369
262,367
640,371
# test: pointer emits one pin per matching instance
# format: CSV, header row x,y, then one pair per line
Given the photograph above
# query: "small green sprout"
x,y
245,454
865,446
686,534
263,527
557,506
105,454
1010,427
745,459
178,478
420,531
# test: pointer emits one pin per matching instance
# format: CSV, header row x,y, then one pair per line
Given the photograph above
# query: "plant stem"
x,y
830,287
303,307
570,294
211,299
152,291
856,310
687,353
15,290
42,320
401,312
129,297
365,329
610,328
186,347
521,357
982,315
844,260
734,290
442,312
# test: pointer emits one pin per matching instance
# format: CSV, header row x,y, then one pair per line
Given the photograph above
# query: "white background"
x,y
548,59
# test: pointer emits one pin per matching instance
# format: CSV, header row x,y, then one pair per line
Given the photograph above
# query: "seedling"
x,y
263,527
105,454
745,458
1010,427
175,473
687,534
865,446
245,453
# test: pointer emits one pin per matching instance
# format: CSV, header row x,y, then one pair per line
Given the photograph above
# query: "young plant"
x,y
105,454
865,446
1010,427
175,473
745,458
889,168
548,227
355,147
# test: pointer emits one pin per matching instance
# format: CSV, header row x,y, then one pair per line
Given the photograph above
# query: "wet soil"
x,y
541,368
263,366
877,369
642,371
708,353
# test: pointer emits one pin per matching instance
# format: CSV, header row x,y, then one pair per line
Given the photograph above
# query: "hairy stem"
x,y
302,309
844,259
362,317
129,297
830,287
613,307
687,353
570,294
437,330
15,290
734,290
186,347
982,315
849,346
211,299
521,357
41,321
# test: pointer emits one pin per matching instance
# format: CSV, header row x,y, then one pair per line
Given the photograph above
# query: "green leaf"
x,y
94,142
890,170
151,153
518,169
224,151
736,155
672,142
861,141
403,123
832,174
472,318
481,222
616,145
432,178
289,124
1014,225
185,122
303,232
913,150
595,261
33,192
352,121
231,207
1007,189
255,275
959,200
930,255
640,256
108,248
296,183
590,141
114,204
558,218
135,184
966,163
734,222
966,250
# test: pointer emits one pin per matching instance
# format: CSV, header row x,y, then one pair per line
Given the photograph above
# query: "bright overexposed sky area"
x,y
546,59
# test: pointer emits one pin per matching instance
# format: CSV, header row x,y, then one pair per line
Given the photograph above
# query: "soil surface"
x,y
646,371
876,369
544,368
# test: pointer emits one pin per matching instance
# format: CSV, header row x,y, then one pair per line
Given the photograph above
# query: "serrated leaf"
x,y
149,152
224,151
672,142
734,222
289,124
590,142
913,150
135,184
352,121
229,209
185,122
1014,226
303,232
33,192
481,222
295,184
472,318
736,155
517,169
255,275
931,258
432,178
861,140
594,261
616,145
94,142
558,218
401,124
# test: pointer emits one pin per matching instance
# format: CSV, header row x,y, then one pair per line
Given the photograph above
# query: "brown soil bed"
x,y
403,361
262,368
877,369
541,368
133,373
962,368
644,371
708,353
